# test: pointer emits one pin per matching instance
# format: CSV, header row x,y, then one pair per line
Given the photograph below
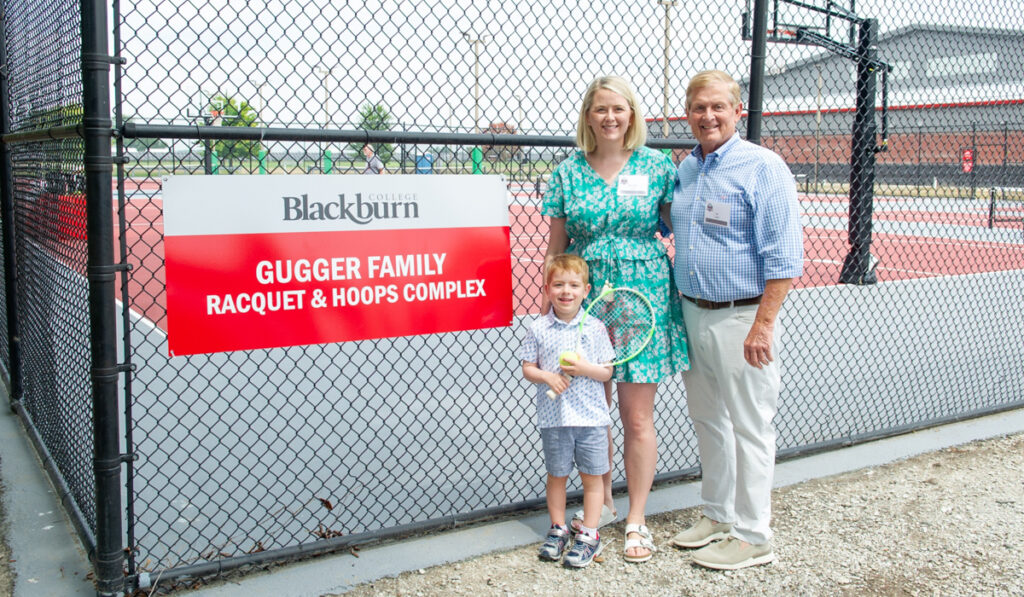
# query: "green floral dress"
x,y
615,235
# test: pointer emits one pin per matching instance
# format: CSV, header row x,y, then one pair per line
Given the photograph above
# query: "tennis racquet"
x,y
629,318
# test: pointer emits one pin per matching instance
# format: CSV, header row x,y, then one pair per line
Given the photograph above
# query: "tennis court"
x,y
912,238
918,243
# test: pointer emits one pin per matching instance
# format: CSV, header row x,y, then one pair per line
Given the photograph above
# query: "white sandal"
x,y
608,516
646,541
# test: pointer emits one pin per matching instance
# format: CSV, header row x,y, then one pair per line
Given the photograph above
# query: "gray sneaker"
x,y
702,533
583,551
554,544
733,554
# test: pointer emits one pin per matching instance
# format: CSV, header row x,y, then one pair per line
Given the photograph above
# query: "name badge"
x,y
633,185
716,213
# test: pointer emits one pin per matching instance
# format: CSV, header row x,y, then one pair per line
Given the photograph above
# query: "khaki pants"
x,y
732,406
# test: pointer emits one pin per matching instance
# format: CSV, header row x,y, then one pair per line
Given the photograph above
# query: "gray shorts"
x,y
586,446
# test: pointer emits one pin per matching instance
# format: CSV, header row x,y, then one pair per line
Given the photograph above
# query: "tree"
x,y
375,117
233,112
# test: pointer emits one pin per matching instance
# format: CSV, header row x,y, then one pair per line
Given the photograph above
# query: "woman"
x,y
603,203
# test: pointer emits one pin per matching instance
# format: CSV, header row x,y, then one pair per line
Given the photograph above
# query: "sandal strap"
x,y
645,541
640,529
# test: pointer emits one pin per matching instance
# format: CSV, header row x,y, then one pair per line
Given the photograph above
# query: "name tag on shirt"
x,y
717,213
633,185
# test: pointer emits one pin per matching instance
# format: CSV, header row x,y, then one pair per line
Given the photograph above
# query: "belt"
x,y
703,304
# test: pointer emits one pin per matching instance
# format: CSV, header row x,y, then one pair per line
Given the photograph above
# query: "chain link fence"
x,y
908,313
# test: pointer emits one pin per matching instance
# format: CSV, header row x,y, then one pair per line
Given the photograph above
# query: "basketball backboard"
x,y
834,19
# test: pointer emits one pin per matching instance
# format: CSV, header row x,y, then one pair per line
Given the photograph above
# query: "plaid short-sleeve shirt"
x,y
583,403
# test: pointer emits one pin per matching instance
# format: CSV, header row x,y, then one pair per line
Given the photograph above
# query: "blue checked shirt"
x,y
583,403
736,222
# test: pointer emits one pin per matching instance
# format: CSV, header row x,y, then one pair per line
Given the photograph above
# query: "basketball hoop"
x,y
784,35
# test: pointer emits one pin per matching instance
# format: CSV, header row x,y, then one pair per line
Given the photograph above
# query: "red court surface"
x,y
900,256
975,217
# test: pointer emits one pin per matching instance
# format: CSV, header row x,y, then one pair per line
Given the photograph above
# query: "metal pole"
x,y
817,129
477,42
7,209
97,132
974,153
858,267
324,72
1004,178
758,48
992,207
207,148
668,4
476,86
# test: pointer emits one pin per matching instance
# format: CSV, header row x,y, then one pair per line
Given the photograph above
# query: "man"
x,y
739,245
373,163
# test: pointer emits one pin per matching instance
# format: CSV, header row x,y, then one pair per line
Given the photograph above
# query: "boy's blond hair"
x,y
566,263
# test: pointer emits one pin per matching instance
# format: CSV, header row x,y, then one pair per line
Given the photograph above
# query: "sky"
x,y
315,63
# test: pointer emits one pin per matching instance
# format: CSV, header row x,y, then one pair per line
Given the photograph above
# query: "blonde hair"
x,y
566,262
636,135
706,78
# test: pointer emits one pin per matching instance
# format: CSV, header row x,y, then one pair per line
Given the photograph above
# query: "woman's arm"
x,y
558,239
558,242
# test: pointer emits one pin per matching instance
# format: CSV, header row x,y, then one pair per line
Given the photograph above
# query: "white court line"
x,y
946,242
914,271
140,319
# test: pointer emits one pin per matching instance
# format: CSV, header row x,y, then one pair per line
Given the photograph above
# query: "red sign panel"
x,y
273,288
235,292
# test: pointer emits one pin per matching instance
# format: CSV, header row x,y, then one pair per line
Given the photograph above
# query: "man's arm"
x,y
665,212
757,348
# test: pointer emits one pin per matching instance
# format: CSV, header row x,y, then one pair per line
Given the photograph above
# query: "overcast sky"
x,y
412,56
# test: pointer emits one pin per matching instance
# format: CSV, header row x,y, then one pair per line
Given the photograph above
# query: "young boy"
x,y
573,425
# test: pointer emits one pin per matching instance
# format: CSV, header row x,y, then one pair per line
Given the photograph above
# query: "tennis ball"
x,y
567,355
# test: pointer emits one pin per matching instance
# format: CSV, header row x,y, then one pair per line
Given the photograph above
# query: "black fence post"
x,y
758,50
992,207
7,209
97,133
858,267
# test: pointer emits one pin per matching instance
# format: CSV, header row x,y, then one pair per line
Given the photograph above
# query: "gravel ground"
x,y
949,522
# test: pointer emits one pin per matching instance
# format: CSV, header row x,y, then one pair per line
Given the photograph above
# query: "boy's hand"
x,y
558,383
572,363
581,366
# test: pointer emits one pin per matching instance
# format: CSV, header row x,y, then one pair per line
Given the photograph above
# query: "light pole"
x,y
668,4
324,73
817,128
263,102
519,113
206,115
477,42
